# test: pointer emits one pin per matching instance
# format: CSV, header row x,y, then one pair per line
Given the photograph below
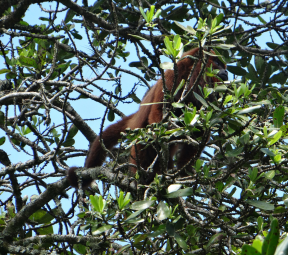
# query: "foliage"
x,y
52,88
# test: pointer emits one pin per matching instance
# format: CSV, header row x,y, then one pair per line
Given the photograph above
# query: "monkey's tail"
x,y
97,154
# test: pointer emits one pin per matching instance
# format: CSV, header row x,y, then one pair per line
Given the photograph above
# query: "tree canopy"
x,y
85,64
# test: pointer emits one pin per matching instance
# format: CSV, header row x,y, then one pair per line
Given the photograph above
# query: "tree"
x,y
237,186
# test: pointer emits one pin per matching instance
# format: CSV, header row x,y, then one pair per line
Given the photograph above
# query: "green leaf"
x,y
260,222
45,230
163,211
25,130
157,14
198,164
122,202
180,193
169,46
178,105
158,232
188,28
97,5
262,20
201,99
142,205
135,98
252,74
249,109
181,241
150,13
2,140
68,142
276,138
167,65
69,16
244,139
270,175
139,238
282,248
72,131
249,250
134,215
138,37
236,70
259,63
76,35
174,187
111,115
25,61
2,117
221,88
176,42
278,116
253,174
279,78
126,246
235,152
102,229
181,84
261,204
170,228
271,240
219,18
225,46
215,239
95,202
4,71
268,152
41,217
80,248
188,117
272,45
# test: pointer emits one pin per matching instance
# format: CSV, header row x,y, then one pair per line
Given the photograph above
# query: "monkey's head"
x,y
218,64
211,60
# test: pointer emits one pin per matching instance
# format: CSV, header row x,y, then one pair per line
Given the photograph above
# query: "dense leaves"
x,y
84,64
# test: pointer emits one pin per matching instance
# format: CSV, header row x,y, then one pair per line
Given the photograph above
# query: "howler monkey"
x,y
152,113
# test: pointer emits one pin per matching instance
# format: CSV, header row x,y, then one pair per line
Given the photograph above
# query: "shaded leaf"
x,y
261,204
215,239
170,228
201,99
236,70
181,241
268,152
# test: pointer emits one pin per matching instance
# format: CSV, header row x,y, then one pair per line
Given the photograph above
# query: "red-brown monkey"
x,y
148,114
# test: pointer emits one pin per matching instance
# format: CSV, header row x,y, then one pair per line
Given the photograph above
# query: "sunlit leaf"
x,y
278,116
141,205
180,193
163,211
102,229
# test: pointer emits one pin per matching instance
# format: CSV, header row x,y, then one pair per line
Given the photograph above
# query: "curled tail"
x,y
97,154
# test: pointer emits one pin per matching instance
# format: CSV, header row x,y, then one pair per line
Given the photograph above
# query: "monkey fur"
x,y
152,113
